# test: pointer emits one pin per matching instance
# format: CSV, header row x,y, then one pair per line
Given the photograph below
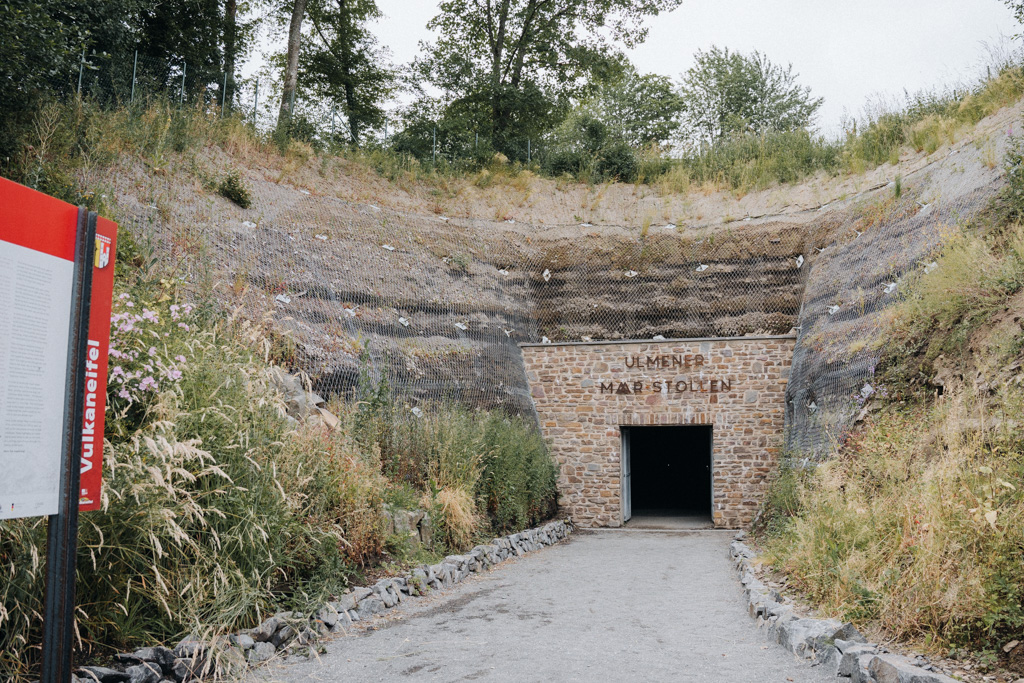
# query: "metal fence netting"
x,y
437,305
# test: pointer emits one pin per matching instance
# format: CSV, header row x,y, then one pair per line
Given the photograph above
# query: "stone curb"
x,y
288,632
826,642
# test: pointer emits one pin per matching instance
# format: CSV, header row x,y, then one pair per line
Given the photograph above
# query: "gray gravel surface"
x,y
605,606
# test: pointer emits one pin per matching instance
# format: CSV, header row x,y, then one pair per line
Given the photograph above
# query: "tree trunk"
x,y
497,52
353,121
291,69
230,48
347,61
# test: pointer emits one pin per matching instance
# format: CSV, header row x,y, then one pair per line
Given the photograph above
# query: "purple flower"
x,y
124,394
152,351
183,326
180,359
149,315
148,384
174,374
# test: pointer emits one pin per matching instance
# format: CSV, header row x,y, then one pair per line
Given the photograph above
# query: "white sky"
x,y
847,51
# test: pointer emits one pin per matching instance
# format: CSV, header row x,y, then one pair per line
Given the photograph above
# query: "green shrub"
x,y
518,483
1013,164
233,187
781,501
467,464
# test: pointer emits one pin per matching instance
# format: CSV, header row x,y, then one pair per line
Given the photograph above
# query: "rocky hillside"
x,y
439,282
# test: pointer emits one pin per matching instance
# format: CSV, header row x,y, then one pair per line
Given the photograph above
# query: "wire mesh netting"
x,y
858,270
438,305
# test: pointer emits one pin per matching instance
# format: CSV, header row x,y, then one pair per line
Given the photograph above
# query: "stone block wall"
x,y
585,392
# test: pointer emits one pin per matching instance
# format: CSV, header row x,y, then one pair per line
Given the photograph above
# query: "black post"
x,y
62,528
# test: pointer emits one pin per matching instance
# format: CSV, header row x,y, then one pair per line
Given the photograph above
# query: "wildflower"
x,y
124,394
148,384
152,351
118,370
174,311
174,374
180,359
129,304
149,315
183,326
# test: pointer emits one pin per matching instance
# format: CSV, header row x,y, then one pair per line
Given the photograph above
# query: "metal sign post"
x,y
62,528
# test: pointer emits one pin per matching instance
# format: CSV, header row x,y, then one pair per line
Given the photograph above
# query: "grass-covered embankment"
x,y
916,526
218,509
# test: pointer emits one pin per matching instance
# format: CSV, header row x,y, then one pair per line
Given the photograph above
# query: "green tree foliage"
x,y
512,66
46,42
42,46
642,109
342,63
184,34
588,148
728,93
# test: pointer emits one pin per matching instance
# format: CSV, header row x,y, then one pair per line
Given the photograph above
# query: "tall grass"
x,y
753,162
480,471
917,525
214,511
217,509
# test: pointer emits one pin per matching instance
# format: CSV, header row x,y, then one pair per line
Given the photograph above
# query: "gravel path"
x,y
604,606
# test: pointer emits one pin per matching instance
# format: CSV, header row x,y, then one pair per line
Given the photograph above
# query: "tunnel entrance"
x,y
666,475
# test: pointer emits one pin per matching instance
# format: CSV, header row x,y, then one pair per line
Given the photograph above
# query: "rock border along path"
x,y
291,632
836,645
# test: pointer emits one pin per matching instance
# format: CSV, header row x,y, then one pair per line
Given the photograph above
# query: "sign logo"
x,y
102,251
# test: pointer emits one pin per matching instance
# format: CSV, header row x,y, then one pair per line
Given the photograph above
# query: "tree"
x,y
519,62
727,93
291,69
641,109
342,63
183,35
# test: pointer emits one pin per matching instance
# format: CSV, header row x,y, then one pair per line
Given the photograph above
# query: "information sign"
x,y
37,252
96,365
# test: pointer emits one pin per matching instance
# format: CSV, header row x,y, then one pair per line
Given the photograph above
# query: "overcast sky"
x,y
847,51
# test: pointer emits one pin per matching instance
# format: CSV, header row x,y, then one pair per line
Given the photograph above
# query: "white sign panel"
x,y
35,311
